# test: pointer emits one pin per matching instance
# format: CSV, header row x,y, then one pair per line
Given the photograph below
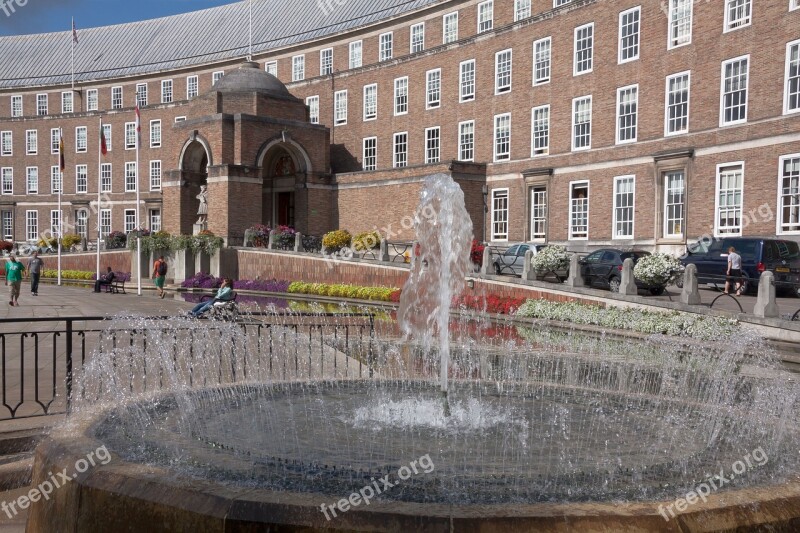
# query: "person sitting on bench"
x,y
224,294
105,279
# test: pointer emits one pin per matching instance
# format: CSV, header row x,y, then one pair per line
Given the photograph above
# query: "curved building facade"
x,y
585,122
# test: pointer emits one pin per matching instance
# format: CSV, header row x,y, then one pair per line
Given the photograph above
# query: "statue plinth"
x,y
197,228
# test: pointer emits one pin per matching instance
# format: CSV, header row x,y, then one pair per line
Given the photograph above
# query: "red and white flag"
x,y
74,32
138,127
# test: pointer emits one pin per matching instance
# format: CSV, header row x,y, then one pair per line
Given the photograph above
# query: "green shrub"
x,y
369,240
69,274
48,241
382,294
69,240
336,240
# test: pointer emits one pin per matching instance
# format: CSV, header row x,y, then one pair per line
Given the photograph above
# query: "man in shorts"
x,y
14,271
160,275
734,273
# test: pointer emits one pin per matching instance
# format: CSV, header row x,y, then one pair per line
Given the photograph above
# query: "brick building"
x,y
581,122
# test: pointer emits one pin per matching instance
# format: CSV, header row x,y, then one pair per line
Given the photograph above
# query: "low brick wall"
x,y
119,261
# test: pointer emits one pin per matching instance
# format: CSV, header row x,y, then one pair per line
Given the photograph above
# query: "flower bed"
x,y
490,304
383,294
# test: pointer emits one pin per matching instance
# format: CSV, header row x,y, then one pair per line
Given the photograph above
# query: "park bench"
x,y
227,310
118,285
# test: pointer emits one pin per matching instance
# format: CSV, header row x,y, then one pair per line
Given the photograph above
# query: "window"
x,y
733,100
271,67
737,14
557,3
792,84
116,98
450,28
141,94
7,177
370,153
522,9
674,192
32,180
326,62
216,76
55,180
500,214
16,107
485,16
794,4
579,210
107,132
538,213
155,220
41,104
155,175
32,225
55,222
629,26
432,144
417,37
502,72
313,109
91,100
541,61
467,81
584,49
298,68
130,220
789,187
627,113
400,150
730,178
130,135
356,54
55,141
6,143
385,46
340,108
130,177
67,102
502,137
466,141
540,130
105,222
371,101
676,115
105,177
166,91
433,91
680,23
81,179
82,223
179,119
81,141
31,142
401,96
155,134
582,123
623,207
191,87
8,225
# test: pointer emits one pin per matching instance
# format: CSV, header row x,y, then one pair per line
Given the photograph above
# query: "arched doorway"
x,y
283,170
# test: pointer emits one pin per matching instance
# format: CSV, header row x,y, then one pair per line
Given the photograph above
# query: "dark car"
x,y
780,256
603,268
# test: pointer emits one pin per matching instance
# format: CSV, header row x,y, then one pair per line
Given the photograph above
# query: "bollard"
x,y
298,242
528,273
690,294
384,251
271,239
627,286
575,278
486,266
766,306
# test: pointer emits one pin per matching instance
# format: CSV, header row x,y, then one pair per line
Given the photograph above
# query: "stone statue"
x,y
202,211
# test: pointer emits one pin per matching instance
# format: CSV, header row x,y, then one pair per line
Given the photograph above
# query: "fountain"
x,y
337,423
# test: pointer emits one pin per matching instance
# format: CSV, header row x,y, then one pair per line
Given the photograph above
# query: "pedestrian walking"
x,y
14,271
160,275
734,272
35,266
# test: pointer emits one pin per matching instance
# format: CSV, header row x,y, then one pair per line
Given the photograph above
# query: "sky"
x,y
19,17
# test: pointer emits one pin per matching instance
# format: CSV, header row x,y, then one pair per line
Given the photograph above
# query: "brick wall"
x,y
118,261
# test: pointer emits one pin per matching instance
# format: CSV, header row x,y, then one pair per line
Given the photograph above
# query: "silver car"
x,y
512,261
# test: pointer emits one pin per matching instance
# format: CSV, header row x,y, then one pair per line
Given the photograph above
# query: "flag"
x,y
61,161
74,32
103,145
138,127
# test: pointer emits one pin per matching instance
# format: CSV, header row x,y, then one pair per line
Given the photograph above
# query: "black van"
x,y
780,256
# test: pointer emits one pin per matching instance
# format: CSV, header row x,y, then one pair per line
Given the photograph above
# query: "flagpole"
x,y
99,187
60,212
72,38
250,52
138,225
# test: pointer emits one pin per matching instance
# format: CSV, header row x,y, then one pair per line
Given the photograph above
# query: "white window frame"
x,y
298,67
635,115
340,108
717,228
540,58
356,54
155,133
167,91
433,145
485,16
503,68
401,96
92,100
105,223
793,194
31,225
748,20
55,179
558,3
67,102
55,222
667,218
794,4
31,178
156,175
81,139
130,135
7,180
722,94
81,179
370,102
788,79
536,129
572,234
326,62
499,197
575,101
576,61
500,155
638,35
385,46
466,81
6,147
17,108
31,142
522,9
216,76
42,107
271,67
466,140
117,101
129,220
192,87
688,75
417,38
399,159
433,89
141,94
107,130
369,153
674,24
450,27
131,176
313,109
106,177
631,209
538,212
55,141
82,223
154,215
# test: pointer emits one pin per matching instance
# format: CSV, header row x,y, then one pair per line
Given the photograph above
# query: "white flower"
x,y
657,269
550,259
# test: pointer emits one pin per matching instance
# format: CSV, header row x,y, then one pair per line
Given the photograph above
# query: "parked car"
x,y
603,268
779,256
512,261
